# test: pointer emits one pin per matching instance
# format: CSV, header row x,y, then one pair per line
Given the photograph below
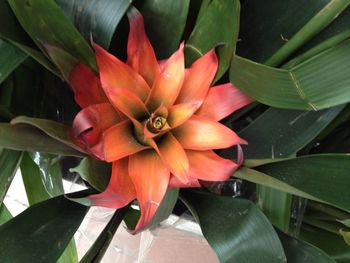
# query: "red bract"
x,y
157,124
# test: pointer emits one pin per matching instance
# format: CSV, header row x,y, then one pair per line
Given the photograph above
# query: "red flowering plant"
x,y
149,105
157,122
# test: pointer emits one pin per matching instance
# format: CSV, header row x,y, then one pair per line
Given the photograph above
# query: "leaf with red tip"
x,y
141,56
221,101
119,142
115,74
180,113
167,85
86,86
150,178
208,166
198,79
120,190
199,133
174,156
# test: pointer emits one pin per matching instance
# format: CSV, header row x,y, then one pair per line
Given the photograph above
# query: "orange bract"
x,y
157,125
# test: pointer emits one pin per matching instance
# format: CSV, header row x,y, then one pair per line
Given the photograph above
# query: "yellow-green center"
x,y
159,122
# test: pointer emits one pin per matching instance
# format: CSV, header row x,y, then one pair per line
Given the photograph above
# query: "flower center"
x,y
158,122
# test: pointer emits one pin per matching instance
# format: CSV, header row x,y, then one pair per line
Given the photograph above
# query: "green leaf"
x,y
55,130
208,33
26,138
231,224
9,162
323,18
54,28
268,25
346,236
50,225
163,27
5,214
319,177
97,17
11,30
287,131
330,243
303,87
34,179
96,173
298,251
99,247
10,58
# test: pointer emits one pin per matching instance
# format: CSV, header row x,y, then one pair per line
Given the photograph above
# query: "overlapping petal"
x,y
180,113
120,190
221,101
208,166
168,83
115,74
198,79
86,86
174,157
199,133
141,56
119,142
150,178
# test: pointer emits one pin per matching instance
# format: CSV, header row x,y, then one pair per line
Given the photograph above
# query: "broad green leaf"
x,y
34,179
208,33
298,251
10,58
282,133
165,23
99,247
303,87
323,177
55,130
9,162
27,138
98,18
5,214
54,28
332,244
232,226
41,233
268,25
96,173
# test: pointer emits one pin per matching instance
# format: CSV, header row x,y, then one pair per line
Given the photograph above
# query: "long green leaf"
x,y
282,133
41,233
98,249
304,87
54,28
208,33
10,58
315,25
298,251
55,130
37,191
233,225
9,162
322,177
26,138
163,27
98,18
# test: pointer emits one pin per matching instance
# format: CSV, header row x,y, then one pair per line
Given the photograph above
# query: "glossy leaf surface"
x,y
231,224
41,233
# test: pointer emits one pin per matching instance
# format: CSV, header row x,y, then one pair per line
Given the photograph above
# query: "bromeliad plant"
x,y
139,114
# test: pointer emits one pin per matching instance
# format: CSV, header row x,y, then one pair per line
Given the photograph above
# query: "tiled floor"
x,y
175,240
